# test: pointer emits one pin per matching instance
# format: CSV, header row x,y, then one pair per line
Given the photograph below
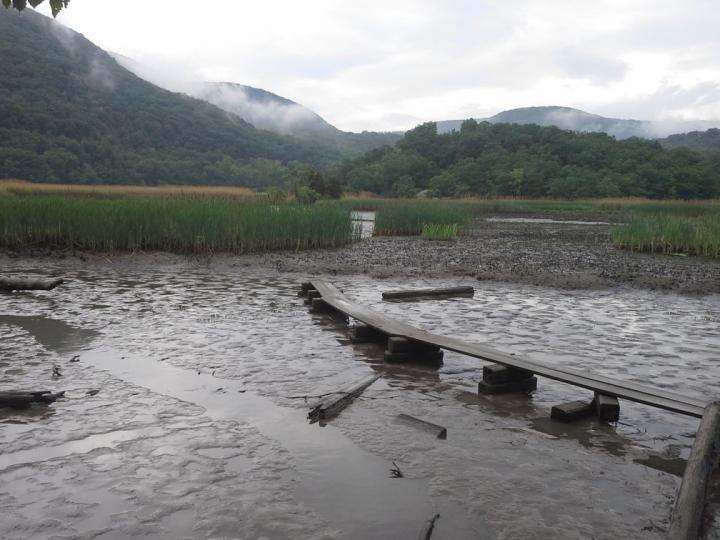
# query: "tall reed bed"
x,y
665,232
169,224
407,218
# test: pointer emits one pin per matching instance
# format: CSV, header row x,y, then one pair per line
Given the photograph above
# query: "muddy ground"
x,y
201,366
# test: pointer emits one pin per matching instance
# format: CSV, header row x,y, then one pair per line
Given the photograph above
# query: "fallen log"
x,y
332,404
419,293
687,515
21,399
12,284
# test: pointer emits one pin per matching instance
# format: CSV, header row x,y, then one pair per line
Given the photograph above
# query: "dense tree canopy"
x,y
531,161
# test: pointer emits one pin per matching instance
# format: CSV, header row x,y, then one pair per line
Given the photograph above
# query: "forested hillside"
x,y
529,160
69,112
707,141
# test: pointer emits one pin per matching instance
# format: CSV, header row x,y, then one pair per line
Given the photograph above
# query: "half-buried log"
x,y
11,284
419,293
690,503
21,399
332,404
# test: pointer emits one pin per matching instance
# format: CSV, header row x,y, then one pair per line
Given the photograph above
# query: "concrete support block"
x,y
362,333
318,305
523,386
607,407
574,410
498,373
429,357
403,345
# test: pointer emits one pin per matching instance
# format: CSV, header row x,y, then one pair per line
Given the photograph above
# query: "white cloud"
x,y
388,65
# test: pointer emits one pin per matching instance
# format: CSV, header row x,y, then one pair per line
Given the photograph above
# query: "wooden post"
x,y
403,345
439,431
331,405
362,333
690,503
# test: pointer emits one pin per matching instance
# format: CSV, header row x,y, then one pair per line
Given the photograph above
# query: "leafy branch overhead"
x,y
55,5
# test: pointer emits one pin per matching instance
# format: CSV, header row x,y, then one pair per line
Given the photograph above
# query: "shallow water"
x,y
198,428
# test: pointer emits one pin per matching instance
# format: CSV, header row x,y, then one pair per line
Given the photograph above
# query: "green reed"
x,y
664,232
169,224
406,218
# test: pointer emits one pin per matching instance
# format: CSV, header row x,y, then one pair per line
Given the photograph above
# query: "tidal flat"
x,y
205,367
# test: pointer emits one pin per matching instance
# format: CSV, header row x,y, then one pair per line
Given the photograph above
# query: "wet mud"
x,y
185,416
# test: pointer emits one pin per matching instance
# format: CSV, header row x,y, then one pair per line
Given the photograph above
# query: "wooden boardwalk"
x,y
632,391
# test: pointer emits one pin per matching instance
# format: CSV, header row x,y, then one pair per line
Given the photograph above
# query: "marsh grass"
x,y
22,187
407,218
664,232
169,224
434,231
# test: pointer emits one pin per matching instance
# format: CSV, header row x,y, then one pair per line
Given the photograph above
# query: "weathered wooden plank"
x,y
20,399
11,284
420,293
331,405
687,515
585,379
439,431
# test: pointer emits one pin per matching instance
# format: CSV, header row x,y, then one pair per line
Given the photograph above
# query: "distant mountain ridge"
x,y
577,120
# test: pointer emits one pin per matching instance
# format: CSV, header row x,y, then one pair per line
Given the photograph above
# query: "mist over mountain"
x,y
577,120
69,111
263,109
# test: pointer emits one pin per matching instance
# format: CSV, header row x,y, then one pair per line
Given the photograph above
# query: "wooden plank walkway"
x,y
632,391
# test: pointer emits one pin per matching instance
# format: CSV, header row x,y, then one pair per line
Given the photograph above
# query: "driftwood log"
x,y
10,284
22,399
690,503
334,403
420,293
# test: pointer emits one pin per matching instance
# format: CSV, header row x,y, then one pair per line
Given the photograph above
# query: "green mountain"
x,y
704,141
69,112
531,161
577,120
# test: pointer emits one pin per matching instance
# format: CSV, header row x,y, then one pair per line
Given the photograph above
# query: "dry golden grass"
x,y
22,187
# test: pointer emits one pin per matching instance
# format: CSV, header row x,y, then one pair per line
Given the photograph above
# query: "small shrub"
x,y
436,231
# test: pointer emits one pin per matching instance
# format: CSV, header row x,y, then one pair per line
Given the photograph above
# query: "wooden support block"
x,y
422,357
498,373
574,410
10,284
419,293
367,334
306,286
523,386
400,344
607,407
439,431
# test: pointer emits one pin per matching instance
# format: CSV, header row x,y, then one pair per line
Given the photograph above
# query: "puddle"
x,y
52,334
549,221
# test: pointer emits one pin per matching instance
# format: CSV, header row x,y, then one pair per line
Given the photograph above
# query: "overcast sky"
x,y
383,65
